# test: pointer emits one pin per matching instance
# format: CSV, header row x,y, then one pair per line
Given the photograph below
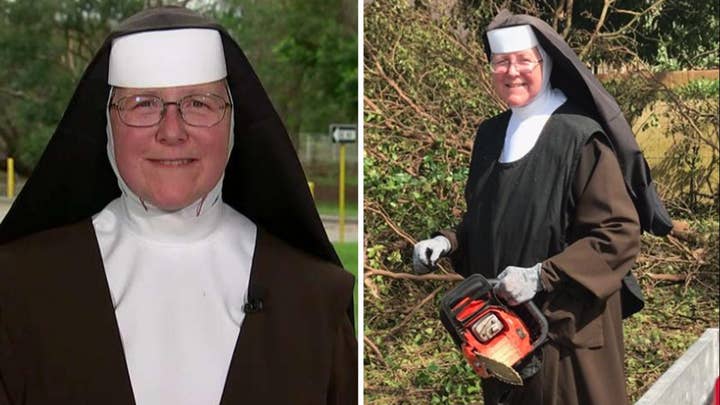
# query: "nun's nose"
x,y
172,127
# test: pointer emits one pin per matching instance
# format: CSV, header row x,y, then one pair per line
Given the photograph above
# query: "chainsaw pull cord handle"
x,y
533,310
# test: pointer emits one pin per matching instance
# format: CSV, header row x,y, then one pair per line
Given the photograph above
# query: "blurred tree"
x,y
305,56
45,46
683,35
305,53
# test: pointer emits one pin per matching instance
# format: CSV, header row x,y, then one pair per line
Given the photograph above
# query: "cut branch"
x,y
369,343
410,314
369,272
675,278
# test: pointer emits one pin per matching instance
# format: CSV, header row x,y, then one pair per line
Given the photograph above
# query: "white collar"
x,y
192,223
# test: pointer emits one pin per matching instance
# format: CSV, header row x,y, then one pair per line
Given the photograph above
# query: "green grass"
x,y
331,208
351,180
348,252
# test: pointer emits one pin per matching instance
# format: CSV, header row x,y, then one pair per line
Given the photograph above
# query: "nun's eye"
x,y
141,103
525,63
144,104
197,104
203,103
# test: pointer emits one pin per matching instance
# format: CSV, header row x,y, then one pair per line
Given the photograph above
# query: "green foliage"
x,y
701,89
305,57
676,312
422,77
305,53
427,86
682,34
426,91
44,48
633,93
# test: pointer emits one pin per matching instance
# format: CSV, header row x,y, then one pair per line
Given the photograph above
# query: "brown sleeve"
x,y
343,380
604,233
451,236
457,249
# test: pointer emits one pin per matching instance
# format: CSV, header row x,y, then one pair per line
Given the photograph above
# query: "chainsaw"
x,y
492,336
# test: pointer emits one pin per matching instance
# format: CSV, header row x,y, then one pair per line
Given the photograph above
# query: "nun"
x,y
557,196
166,249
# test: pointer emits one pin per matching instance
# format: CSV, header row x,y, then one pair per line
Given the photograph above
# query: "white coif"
x,y
511,39
167,58
178,283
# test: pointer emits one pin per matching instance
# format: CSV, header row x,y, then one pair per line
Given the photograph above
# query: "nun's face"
x,y
517,76
171,164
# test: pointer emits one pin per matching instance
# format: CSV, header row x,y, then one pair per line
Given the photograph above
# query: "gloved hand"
x,y
519,284
427,252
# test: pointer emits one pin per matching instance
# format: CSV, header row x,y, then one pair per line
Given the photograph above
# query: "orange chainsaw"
x,y
491,335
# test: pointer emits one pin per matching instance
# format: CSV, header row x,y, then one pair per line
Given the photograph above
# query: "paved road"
x,y
332,226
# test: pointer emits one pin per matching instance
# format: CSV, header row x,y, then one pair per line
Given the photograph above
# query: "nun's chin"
x,y
519,100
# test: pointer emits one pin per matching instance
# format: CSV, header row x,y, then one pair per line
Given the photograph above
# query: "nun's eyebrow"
x,y
120,92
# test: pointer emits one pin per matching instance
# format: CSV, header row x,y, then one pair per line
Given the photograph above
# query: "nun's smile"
x,y
171,164
514,86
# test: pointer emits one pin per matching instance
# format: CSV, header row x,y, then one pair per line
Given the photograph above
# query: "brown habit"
x,y
583,361
586,280
60,344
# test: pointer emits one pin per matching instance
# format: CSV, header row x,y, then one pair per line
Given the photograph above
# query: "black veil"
x,y
263,179
583,88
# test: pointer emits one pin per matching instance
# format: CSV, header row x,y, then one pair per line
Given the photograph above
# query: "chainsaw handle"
x,y
535,312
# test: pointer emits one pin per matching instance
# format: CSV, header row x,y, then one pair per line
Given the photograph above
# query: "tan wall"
x,y
680,78
676,78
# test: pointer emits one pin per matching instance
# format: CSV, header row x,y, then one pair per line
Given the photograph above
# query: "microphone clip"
x,y
254,305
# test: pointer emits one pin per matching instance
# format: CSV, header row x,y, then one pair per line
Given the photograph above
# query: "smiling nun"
x,y
166,249
557,196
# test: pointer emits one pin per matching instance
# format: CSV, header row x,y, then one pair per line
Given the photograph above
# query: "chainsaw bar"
x,y
501,371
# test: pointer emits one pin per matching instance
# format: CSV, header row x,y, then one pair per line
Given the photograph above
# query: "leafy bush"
x,y
426,90
700,89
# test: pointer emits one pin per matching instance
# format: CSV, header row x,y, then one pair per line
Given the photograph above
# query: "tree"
x,y
44,48
305,57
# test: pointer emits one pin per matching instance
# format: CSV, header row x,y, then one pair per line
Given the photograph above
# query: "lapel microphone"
x,y
255,302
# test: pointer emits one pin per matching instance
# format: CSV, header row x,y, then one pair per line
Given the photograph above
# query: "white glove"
x,y
427,252
519,284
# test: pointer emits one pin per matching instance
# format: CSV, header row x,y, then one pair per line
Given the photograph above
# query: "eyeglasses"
x,y
197,110
523,66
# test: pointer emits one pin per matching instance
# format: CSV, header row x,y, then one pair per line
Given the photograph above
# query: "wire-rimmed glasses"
x,y
145,110
521,66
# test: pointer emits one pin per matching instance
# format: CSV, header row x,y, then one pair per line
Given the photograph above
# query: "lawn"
x,y
331,208
348,252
